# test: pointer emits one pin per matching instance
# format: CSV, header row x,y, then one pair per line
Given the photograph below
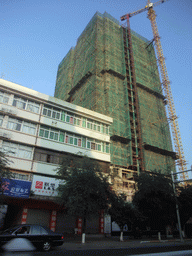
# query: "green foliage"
x,y
155,199
123,212
86,190
185,203
4,172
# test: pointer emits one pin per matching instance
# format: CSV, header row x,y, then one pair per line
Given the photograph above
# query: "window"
x,y
26,104
29,128
79,142
14,124
19,102
61,137
73,139
89,124
74,119
124,175
79,121
93,146
43,231
24,152
35,230
4,97
102,128
95,127
99,147
17,150
88,144
44,131
83,142
67,118
47,156
1,120
19,176
51,112
102,147
63,116
107,147
33,107
54,134
71,120
84,122
9,148
69,138
19,125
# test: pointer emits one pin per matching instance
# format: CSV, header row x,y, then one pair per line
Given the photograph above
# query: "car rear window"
x,y
43,231
35,230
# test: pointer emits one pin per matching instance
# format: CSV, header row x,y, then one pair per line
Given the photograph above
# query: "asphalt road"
x,y
160,250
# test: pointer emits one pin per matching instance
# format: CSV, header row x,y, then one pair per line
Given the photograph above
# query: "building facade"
x,y
113,71
36,131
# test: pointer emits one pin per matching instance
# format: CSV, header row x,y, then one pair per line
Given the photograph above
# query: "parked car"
x,y
41,237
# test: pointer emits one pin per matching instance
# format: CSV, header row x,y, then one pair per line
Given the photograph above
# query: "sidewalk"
x,y
93,242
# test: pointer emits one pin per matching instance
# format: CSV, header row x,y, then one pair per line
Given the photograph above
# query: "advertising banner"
x,y
45,186
16,188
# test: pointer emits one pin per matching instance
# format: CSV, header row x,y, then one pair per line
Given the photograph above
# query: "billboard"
x,y
45,186
16,188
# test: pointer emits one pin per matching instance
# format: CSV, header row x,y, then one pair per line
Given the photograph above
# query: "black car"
x,y
41,237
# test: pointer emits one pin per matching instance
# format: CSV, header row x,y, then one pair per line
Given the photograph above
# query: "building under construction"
x,y
114,71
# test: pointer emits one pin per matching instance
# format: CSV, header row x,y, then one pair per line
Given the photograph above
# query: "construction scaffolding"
x,y
113,70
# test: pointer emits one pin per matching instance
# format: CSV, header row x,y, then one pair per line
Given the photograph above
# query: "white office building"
x,y
36,130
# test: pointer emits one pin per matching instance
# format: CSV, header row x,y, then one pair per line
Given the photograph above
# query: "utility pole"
x,y
177,207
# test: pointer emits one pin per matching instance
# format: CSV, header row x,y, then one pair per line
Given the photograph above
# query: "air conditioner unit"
x,y
7,111
12,112
5,136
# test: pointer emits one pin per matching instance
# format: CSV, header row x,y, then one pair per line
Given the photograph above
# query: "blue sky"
x,y
35,35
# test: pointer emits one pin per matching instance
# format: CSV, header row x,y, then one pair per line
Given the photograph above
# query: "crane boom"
x,y
124,17
166,85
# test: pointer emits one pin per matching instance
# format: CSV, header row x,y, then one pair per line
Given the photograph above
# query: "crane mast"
x,y
166,86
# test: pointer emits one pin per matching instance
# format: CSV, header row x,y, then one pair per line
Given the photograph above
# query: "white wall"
x,y
19,164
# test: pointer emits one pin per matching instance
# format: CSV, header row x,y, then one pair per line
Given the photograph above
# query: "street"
x,y
99,245
149,251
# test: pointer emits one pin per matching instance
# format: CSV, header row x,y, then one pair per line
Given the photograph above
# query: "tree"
x,y
123,212
185,203
155,199
4,172
4,175
86,189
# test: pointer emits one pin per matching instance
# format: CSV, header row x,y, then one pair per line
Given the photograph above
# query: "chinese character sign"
x,y
45,186
16,188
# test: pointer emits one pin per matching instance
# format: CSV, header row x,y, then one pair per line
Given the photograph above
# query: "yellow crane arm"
x,y
142,10
168,94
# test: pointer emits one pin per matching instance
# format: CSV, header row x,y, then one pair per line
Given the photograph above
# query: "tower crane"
x,y
165,84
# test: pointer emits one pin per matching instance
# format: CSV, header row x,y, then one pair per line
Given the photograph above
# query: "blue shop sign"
x,y
16,188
